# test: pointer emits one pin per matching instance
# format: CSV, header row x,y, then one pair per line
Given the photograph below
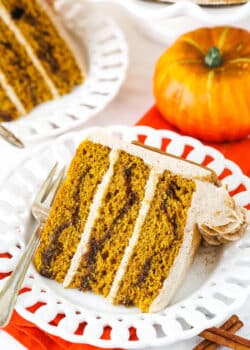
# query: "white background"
x,y
132,102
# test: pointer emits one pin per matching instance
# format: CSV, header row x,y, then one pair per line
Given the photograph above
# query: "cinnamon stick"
x,y
225,338
233,329
229,325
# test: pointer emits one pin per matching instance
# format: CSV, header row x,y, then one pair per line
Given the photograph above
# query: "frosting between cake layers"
x,y
63,33
220,219
82,247
6,18
145,206
11,94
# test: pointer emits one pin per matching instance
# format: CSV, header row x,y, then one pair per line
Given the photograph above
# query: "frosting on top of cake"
x,y
160,161
219,218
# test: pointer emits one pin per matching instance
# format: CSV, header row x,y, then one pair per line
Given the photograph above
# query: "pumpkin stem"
x,y
213,58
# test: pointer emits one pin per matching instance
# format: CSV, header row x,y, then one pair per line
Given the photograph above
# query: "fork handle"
x,y
8,296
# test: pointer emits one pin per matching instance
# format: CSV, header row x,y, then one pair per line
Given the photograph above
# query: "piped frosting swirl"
x,y
219,220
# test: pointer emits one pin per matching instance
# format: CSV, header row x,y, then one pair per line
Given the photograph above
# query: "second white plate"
x,y
105,53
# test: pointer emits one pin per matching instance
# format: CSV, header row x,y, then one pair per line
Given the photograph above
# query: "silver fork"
x,y
40,210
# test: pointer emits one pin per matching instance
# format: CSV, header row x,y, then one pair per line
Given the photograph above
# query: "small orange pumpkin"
x,y
202,83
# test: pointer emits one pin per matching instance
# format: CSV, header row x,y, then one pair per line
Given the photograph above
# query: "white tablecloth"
x,y
133,101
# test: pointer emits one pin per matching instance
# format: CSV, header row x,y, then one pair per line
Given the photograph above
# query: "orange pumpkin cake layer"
x,y
127,222
31,18
19,71
158,243
114,226
8,110
70,210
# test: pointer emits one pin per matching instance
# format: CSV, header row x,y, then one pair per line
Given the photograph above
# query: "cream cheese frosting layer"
x,y
160,161
149,194
93,214
219,218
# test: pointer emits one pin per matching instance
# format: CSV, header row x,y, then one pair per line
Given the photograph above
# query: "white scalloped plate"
x,y
153,11
104,50
165,22
217,284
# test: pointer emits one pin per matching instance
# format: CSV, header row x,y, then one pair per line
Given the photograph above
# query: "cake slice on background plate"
x,y
127,222
38,61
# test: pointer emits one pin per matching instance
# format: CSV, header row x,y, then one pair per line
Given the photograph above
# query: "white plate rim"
x,y
153,135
